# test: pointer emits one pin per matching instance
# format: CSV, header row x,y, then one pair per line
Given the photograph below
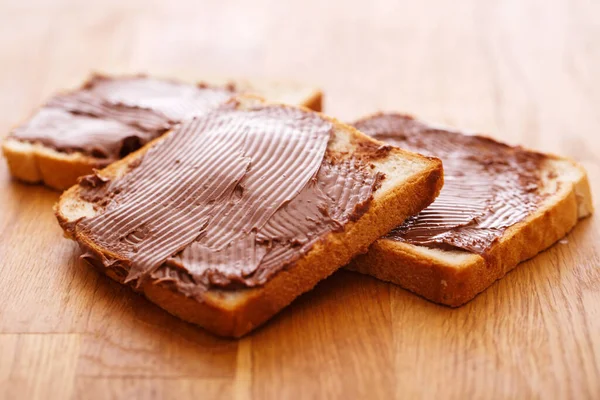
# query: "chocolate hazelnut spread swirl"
x,y
489,186
228,199
110,117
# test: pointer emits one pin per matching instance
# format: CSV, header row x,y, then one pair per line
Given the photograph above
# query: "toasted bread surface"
x,y
412,182
39,164
454,277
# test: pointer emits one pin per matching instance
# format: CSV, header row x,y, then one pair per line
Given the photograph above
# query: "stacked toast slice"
x,y
231,215
110,116
500,205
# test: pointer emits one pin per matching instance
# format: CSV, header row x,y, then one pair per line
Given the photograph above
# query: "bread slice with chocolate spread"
x,y
500,205
230,216
110,116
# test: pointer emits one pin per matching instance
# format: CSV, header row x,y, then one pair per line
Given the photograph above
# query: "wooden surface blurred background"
x,y
522,71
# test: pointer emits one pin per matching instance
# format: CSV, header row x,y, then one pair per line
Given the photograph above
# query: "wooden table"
x,y
522,71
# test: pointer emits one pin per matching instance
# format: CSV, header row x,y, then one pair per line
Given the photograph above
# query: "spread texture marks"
x,y
109,118
229,198
489,186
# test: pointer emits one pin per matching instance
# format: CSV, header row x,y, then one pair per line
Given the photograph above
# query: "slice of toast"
x,y
500,205
31,158
321,191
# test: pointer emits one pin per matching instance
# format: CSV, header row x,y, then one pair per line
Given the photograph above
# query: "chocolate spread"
x,y
227,199
489,186
110,117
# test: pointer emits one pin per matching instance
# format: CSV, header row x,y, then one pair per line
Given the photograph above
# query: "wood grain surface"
x,y
522,71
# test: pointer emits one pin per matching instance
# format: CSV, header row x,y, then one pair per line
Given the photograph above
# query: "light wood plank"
x,y
127,388
337,344
45,290
131,337
38,366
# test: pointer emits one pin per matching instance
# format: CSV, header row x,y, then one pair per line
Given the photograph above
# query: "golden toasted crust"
x,y
454,278
314,102
36,163
236,312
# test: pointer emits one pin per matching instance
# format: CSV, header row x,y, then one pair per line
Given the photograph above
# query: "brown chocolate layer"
x,y
228,199
489,186
104,139
110,117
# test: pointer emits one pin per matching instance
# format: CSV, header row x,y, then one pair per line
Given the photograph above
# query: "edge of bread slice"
x,y
454,277
412,183
36,163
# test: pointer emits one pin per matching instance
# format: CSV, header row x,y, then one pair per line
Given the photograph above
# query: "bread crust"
x,y
314,101
430,275
234,313
38,164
